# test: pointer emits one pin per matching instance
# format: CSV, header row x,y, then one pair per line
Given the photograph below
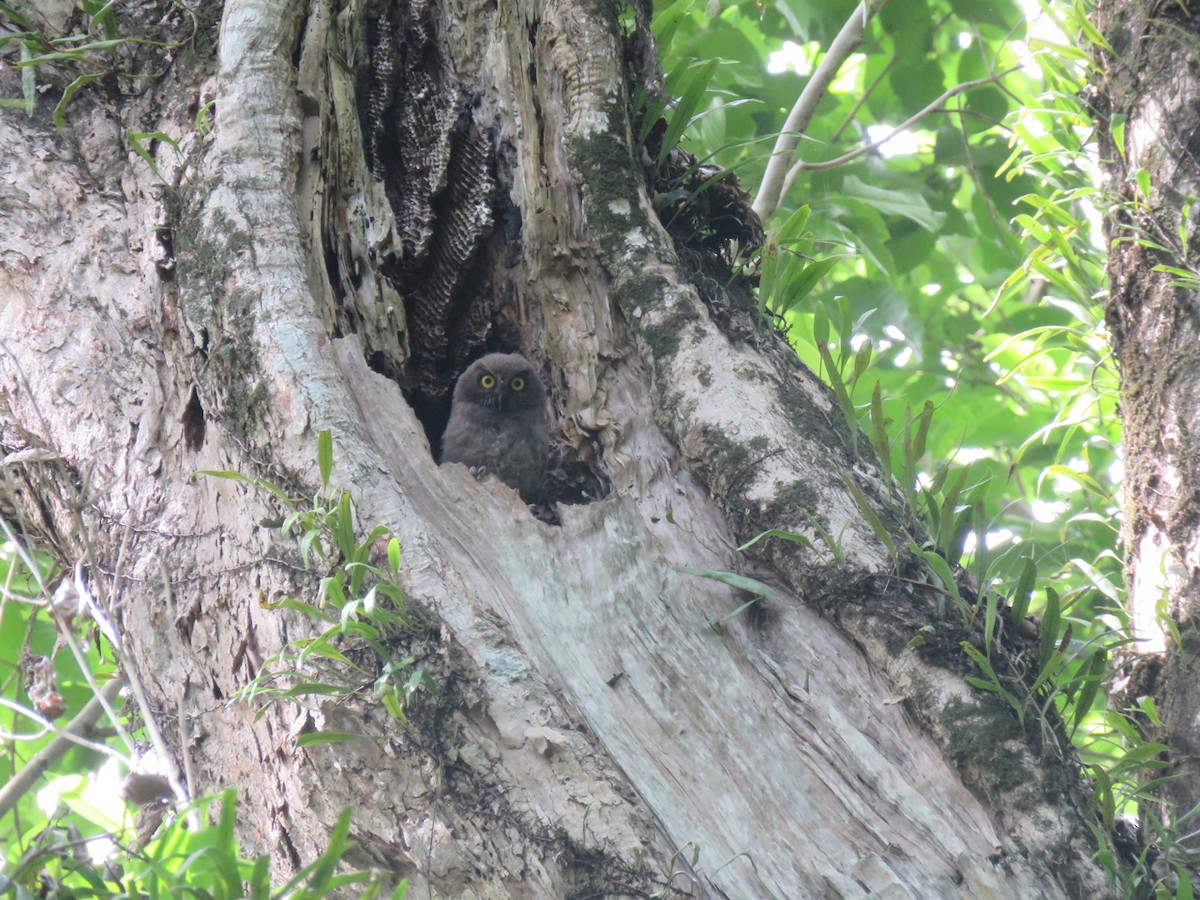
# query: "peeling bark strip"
x,y
596,733
1151,78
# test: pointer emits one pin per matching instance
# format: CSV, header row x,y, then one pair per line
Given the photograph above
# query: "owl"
x,y
498,423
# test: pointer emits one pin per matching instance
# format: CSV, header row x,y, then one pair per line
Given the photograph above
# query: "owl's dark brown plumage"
x,y
498,422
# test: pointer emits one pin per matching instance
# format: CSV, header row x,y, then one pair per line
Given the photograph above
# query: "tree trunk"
x,y
389,190
1148,99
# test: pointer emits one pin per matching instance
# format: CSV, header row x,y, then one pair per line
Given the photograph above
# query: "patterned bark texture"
x,y
424,142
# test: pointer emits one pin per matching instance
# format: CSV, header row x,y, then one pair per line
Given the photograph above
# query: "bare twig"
x,y
29,394
802,165
861,102
185,738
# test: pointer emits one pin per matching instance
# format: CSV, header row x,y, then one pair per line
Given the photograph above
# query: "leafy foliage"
x,y
202,862
63,837
27,678
352,614
95,43
84,57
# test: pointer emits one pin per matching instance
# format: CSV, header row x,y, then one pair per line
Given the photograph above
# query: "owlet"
x,y
498,423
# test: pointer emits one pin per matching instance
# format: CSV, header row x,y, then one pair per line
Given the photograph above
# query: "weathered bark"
x,y
1152,77
591,721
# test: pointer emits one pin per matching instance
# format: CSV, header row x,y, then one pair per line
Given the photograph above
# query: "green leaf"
x,y
136,141
391,703
60,111
692,85
1104,794
845,403
17,17
317,875
294,520
343,527
28,78
820,325
418,680
941,569
349,613
259,883
1051,619
1081,478
1093,677
275,491
322,647
1018,600
394,592
1183,887
909,204
741,582
879,435
864,506
799,283
325,456
225,859
228,474
666,23
314,738
778,533
301,607
331,589
312,689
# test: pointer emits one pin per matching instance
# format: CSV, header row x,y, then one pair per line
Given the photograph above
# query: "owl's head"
x,y
505,382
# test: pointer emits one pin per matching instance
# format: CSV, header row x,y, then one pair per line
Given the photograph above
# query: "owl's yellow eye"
x,y
488,381
517,384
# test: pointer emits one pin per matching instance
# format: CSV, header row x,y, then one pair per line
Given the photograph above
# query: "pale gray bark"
x,y
596,733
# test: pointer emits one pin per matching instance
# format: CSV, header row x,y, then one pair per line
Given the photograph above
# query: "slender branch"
x,y
183,781
861,102
866,95
989,204
69,736
100,695
802,165
67,636
100,617
6,595
29,394
770,192
70,733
